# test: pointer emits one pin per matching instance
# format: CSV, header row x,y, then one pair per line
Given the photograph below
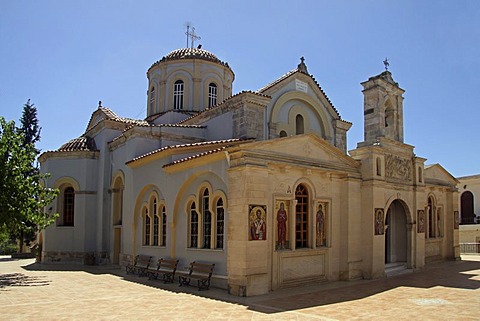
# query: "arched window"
x,y
420,174
212,94
207,220
152,99
156,220
178,90
299,126
220,214
164,227
301,217
193,226
146,227
283,133
68,206
466,208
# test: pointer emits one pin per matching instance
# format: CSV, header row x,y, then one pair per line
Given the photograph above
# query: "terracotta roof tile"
x,y
183,160
190,53
229,142
81,143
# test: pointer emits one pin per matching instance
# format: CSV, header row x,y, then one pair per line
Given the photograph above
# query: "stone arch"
x,y
65,185
320,114
67,180
141,201
185,76
190,191
217,80
399,233
117,187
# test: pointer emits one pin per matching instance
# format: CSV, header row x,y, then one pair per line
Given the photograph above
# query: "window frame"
x,y
302,213
178,95
212,94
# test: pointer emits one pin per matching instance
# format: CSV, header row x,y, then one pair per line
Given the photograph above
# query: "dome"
x,y
191,53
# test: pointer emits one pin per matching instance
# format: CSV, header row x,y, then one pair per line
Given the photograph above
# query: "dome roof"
x,y
191,53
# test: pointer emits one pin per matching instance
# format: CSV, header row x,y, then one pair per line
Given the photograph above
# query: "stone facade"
x,y
259,183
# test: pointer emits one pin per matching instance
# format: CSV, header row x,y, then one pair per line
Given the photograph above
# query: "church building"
x,y
259,183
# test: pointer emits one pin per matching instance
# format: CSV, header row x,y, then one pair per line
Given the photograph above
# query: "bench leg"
x,y
203,284
183,280
168,277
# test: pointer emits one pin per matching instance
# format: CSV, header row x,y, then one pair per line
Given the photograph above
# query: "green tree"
x,y
31,135
30,128
23,197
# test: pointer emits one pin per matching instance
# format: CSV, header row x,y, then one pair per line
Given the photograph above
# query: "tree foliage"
x,y
23,195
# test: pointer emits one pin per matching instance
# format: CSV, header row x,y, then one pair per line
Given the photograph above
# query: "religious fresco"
x,y
321,224
456,218
281,210
379,225
420,221
257,218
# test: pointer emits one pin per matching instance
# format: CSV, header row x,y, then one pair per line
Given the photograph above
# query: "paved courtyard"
x,y
443,291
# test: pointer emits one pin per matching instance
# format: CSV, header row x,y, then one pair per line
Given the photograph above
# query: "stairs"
x,y
396,268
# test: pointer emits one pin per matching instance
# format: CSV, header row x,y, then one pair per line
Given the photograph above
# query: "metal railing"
x,y
469,248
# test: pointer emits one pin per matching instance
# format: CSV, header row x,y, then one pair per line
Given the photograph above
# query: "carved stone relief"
x,y
398,167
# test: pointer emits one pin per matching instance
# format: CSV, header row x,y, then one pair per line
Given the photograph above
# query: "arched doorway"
x,y
396,234
466,210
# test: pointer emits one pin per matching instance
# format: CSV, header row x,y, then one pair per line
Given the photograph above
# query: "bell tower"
x,y
383,109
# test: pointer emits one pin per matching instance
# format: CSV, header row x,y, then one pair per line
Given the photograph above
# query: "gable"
x,y
307,150
437,175
297,81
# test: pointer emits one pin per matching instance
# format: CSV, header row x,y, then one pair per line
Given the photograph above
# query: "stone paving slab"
x,y
443,291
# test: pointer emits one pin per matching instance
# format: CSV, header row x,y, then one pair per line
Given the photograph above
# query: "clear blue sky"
x,y
67,55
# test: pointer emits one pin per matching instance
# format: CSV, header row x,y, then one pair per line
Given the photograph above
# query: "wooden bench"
x,y
140,265
165,268
202,272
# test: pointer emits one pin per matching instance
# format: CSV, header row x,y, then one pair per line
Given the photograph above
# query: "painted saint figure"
x,y
282,226
321,237
257,227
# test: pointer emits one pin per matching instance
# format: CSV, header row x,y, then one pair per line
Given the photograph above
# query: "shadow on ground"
x,y
458,274
20,279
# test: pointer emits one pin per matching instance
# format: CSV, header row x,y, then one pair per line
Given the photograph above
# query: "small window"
x,y
178,95
146,228
283,133
299,125
207,220
220,212
155,230
68,206
152,99
164,227
193,226
379,166
212,94
420,174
